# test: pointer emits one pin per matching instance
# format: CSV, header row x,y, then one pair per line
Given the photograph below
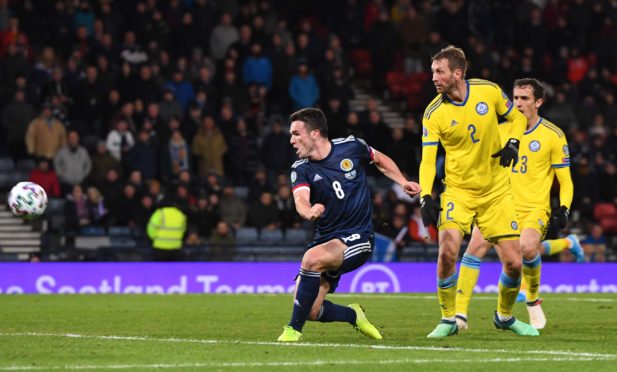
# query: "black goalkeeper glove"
x,y
509,153
560,216
430,210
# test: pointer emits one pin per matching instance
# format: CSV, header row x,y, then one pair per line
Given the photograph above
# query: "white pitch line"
x,y
307,344
298,364
434,297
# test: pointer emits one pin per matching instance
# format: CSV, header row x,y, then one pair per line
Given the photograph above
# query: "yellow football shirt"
x,y
543,149
469,133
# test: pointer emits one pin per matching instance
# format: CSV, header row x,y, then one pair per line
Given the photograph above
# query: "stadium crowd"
x,y
122,102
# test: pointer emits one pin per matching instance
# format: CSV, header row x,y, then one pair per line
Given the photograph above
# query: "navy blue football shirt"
x,y
339,183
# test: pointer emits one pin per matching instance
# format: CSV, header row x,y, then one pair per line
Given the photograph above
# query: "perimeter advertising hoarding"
x,y
210,277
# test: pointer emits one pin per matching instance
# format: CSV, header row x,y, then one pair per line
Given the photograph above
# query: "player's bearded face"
x,y
443,77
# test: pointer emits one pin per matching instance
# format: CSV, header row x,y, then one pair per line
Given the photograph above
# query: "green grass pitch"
x,y
238,333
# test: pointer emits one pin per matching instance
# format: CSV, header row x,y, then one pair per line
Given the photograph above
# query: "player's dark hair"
x,y
455,56
538,89
313,118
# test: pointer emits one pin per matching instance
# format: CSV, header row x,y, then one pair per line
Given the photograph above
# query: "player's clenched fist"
x,y
412,188
316,211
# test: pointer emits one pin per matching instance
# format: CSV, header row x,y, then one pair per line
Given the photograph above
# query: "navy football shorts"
x,y
359,250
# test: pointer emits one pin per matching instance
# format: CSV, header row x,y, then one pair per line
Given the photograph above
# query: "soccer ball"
x,y
27,200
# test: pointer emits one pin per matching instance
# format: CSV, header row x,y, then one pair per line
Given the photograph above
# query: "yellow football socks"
x,y
446,293
508,290
531,275
468,277
555,246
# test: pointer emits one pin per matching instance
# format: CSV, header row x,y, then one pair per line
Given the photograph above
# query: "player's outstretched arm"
x,y
388,167
304,207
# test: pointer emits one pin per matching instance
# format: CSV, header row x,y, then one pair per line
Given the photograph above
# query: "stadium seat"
x,y
603,210
241,191
361,59
120,231
271,235
25,165
5,181
6,165
56,223
295,235
247,233
92,231
55,206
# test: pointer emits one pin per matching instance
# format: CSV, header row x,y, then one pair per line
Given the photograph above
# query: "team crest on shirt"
x,y
294,177
514,225
534,146
566,151
346,165
541,223
481,108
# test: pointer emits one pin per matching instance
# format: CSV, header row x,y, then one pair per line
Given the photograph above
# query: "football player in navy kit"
x,y
330,187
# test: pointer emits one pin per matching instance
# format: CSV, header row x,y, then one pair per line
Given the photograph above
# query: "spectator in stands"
x,y
397,230
232,89
209,146
353,126
378,133
233,209
166,229
222,243
88,95
242,46
122,209
144,87
275,151
169,107
76,213
303,88
213,184
203,216
155,191
257,68
400,149
243,154
141,214
120,140
102,161
95,204
287,216
175,157
72,163
143,156
258,185
46,177
382,42
223,35
182,89
594,245
137,180
263,213
131,51
45,135
16,118
111,188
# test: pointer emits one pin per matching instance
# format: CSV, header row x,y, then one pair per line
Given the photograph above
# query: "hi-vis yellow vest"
x,y
166,228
